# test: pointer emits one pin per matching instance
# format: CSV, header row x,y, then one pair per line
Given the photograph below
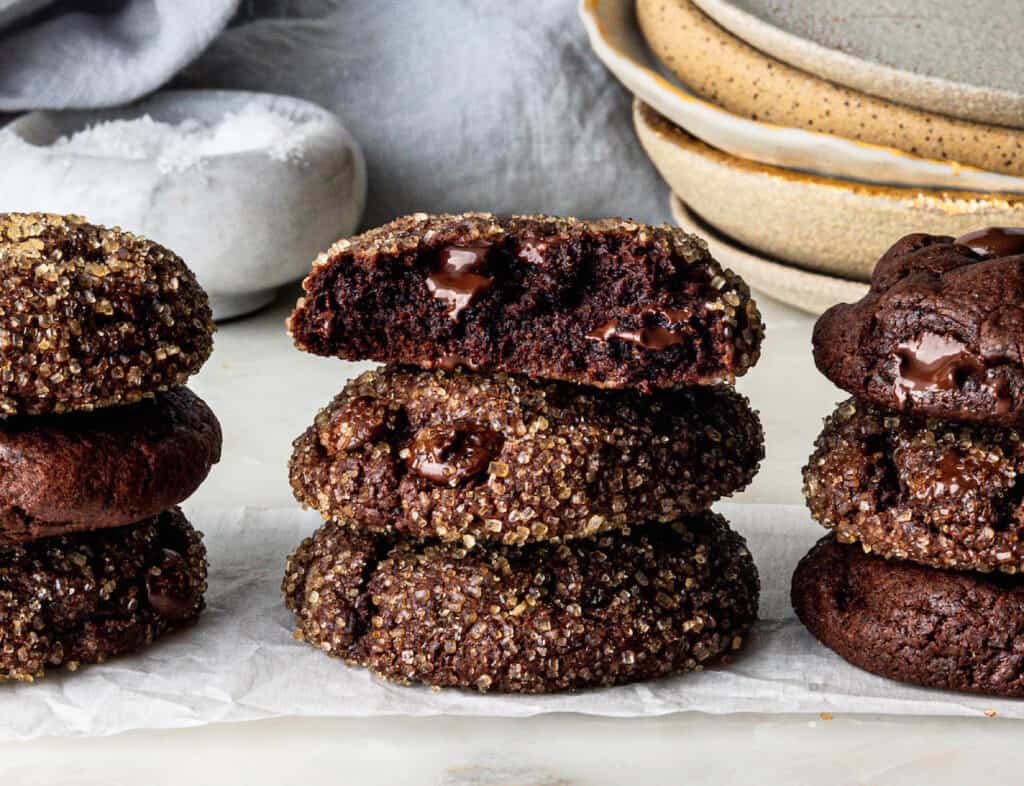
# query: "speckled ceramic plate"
x,y
717,66
823,224
963,59
616,39
802,289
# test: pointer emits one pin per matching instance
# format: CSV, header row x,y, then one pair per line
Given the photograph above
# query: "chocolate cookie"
x,y
617,608
87,470
608,303
937,493
940,333
91,317
941,629
500,458
82,598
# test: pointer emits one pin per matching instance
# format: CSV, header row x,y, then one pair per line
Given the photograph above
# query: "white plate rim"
x,y
847,290
793,148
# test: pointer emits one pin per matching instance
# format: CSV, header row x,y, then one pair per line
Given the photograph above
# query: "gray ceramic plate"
x,y
616,39
959,58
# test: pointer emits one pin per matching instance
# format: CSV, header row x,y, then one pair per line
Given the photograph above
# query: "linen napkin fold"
x,y
98,53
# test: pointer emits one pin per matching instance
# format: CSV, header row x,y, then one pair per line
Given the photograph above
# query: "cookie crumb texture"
x,y
78,599
459,455
937,493
91,317
113,467
941,629
607,303
940,333
617,608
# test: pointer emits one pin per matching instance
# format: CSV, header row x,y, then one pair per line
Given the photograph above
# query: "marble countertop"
x,y
265,393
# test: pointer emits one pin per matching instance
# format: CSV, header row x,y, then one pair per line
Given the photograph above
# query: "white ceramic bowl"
x,y
245,222
617,41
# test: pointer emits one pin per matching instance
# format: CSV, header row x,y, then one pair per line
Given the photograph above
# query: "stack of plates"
x,y
803,159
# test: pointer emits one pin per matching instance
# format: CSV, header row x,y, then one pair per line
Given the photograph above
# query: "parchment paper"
x,y
241,663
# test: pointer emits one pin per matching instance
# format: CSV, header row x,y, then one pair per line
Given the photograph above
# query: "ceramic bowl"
x,y
245,222
822,224
617,41
813,293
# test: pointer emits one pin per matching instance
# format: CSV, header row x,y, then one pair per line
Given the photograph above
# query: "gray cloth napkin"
x,y
100,52
458,104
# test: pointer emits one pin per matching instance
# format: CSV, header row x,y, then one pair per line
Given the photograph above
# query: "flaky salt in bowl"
x,y
246,187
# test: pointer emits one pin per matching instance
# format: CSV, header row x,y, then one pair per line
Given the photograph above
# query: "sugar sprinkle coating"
x,y
91,317
608,303
951,630
617,608
112,467
477,457
940,333
937,493
77,599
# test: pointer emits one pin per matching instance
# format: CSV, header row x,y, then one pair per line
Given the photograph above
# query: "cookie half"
x,y
459,455
91,317
61,474
941,629
617,608
608,303
933,492
77,599
940,333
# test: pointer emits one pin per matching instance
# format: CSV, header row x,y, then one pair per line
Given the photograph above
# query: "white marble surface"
x,y
265,393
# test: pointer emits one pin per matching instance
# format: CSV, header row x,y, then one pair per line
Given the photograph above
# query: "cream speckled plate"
x,y
810,292
832,226
718,66
616,39
963,59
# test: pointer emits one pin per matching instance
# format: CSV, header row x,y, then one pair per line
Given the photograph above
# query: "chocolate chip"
x,y
169,587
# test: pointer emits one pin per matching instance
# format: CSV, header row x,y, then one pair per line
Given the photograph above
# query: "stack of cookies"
x,y
924,468
520,502
99,442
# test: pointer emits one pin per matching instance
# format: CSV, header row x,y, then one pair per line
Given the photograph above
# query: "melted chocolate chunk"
x,y
994,241
457,281
450,453
653,337
933,362
169,587
363,421
954,474
452,361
